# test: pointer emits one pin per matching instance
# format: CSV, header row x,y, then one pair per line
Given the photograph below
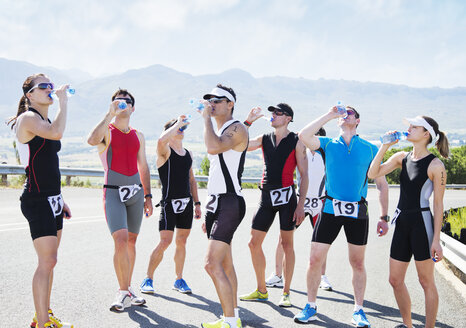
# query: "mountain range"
x,y
163,93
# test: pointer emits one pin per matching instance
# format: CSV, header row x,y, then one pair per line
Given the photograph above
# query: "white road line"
x,y
66,222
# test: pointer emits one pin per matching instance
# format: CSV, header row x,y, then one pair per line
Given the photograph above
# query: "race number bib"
x,y
313,205
342,208
396,215
179,205
280,196
56,204
126,192
212,203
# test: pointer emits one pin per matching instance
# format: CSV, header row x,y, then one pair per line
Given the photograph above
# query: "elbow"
x,y
91,141
371,175
301,135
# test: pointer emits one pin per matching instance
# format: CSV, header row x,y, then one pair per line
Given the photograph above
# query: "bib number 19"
x,y
342,208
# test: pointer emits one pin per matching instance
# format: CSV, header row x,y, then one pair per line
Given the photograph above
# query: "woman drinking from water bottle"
x,y
41,201
417,231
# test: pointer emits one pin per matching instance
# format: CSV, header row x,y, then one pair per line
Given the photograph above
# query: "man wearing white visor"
x,y
225,206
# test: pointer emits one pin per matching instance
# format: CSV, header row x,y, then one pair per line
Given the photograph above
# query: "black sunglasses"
x,y
280,113
127,100
217,100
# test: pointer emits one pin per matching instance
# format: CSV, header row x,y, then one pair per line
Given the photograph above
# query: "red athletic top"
x,y
121,153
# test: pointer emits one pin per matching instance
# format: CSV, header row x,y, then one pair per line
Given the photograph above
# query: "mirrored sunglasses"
x,y
43,86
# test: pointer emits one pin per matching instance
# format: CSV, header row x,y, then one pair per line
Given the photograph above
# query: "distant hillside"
x,y
163,93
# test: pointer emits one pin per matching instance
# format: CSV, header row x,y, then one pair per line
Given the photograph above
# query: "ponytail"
x,y
442,142
442,145
23,105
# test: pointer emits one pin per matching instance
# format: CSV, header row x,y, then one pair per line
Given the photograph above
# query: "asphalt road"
x,y
85,284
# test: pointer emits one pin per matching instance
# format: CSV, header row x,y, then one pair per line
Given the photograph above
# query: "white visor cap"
x,y
219,92
420,121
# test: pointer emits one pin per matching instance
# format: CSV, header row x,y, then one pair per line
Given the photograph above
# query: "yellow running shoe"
x,y
255,296
238,322
285,300
57,322
216,324
50,324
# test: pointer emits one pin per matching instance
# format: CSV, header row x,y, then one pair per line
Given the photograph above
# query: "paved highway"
x,y
85,284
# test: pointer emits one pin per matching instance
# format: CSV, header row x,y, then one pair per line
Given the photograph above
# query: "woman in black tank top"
x,y
417,232
41,201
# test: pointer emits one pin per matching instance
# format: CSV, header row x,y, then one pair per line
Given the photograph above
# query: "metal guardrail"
x,y
6,170
454,251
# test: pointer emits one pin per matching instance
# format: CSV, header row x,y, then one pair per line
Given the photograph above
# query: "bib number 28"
x,y
342,208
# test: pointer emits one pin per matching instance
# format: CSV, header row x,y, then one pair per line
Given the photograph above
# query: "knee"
x,y
358,265
287,246
315,260
48,263
254,244
212,267
164,243
426,282
181,242
395,282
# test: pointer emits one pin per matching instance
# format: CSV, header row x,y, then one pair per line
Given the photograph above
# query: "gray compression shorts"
x,y
127,215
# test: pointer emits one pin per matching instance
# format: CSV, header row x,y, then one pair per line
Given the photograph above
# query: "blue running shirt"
x,y
346,168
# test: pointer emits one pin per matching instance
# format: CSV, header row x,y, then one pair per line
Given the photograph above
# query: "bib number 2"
x,y
212,203
56,204
342,208
126,192
179,205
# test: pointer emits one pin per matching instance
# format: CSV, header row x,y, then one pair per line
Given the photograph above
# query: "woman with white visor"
x,y
417,231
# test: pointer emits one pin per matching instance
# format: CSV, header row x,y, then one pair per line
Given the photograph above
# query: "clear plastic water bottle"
x,y
264,117
186,120
390,137
196,104
69,93
122,105
341,109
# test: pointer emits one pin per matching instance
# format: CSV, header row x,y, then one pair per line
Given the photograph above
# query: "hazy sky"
x,y
418,43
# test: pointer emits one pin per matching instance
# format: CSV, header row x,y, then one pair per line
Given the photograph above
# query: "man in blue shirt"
x,y
347,160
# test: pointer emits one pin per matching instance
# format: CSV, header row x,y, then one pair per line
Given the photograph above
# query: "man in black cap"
x,y
282,152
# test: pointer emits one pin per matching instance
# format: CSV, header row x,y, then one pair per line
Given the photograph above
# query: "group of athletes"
x,y
332,189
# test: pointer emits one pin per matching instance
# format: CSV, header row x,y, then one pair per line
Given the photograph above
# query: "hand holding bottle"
x,y
392,137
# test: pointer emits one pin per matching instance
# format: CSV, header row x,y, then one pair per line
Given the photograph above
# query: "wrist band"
x,y
148,195
247,123
197,203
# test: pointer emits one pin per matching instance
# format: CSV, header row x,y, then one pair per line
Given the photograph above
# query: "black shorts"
x,y
265,214
328,227
413,235
169,219
222,224
42,221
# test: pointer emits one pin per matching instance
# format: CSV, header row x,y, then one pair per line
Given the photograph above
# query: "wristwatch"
x,y
197,203
386,218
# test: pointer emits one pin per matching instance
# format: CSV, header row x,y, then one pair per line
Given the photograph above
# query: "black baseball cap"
x,y
282,107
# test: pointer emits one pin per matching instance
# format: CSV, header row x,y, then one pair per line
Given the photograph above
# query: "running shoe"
x,y
285,300
181,286
307,314
238,322
324,283
53,319
274,281
360,320
122,301
135,300
401,326
216,324
255,296
50,324
147,286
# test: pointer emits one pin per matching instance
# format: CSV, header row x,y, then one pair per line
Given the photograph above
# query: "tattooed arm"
x,y
234,137
438,175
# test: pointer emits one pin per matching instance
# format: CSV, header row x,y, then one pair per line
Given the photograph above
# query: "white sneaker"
x,y
135,300
122,301
324,283
274,281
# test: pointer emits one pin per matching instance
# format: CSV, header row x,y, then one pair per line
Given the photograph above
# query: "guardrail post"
x,y
68,180
4,181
